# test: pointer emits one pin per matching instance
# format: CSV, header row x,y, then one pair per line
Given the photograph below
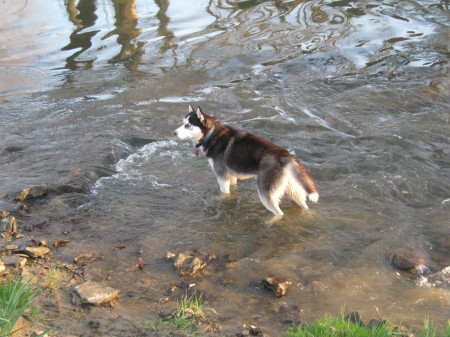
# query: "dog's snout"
x,y
175,133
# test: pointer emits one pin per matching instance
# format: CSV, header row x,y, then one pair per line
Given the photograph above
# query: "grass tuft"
x,y
16,296
329,327
188,313
54,279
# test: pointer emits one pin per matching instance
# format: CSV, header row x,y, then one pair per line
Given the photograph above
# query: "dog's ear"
x,y
191,109
200,115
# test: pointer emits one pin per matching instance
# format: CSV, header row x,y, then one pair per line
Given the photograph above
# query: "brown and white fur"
x,y
235,154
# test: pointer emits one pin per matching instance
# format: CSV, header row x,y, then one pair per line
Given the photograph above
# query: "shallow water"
x,y
359,91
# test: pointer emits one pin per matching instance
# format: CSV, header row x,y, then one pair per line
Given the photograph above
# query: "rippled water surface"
x,y
91,92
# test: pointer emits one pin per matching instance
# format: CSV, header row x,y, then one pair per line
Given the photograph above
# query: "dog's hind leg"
x,y
296,191
271,187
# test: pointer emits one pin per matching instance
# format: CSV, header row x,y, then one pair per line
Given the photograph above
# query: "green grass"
x,y
188,313
54,279
430,330
331,327
16,296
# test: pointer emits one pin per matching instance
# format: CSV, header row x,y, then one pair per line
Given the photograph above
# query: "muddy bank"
x,y
85,289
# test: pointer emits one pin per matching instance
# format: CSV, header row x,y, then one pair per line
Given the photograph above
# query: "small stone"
x,y
32,192
254,331
188,265
277,283
60,243
355,318
14,261
8,225
38,334
93,293
33,252
407,259
42,243
84,259
375,323
440,279
170,256
2,267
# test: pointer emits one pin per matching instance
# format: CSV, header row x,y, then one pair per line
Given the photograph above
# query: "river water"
x,y
91,91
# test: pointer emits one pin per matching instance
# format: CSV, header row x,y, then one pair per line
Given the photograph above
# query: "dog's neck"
x,y
207,137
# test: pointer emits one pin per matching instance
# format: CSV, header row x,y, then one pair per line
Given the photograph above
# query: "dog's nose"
x,y
175,133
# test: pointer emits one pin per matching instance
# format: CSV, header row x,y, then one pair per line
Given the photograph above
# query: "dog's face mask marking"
x,y
191,126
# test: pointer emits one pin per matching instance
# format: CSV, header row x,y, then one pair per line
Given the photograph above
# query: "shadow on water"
x,y
358,90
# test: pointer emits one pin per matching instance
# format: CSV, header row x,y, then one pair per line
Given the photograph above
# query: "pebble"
x,y
32,192
277,283
187,264
84,259
33,252
14,261
93,293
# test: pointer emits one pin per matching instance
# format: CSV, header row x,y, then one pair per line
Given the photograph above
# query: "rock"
x,y
375,324
170,256
187,264
33,252
93,293
409,260
355,318
287,312
254,331
2,267
42,243
38,334
84,259
11,247
277,283
14,261
32,192
440,279
60,243
8,225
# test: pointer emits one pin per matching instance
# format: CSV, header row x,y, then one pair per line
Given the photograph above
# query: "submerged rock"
x,y
9,225
440,279
187,264
32,192
409,260
277,283
93,293
84,259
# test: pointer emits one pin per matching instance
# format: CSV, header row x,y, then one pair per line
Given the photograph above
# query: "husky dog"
x,y
235,154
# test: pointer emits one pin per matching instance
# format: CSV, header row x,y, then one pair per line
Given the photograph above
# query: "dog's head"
x,y
196,125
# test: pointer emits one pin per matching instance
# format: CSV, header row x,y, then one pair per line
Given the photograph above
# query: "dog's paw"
x,y
314,197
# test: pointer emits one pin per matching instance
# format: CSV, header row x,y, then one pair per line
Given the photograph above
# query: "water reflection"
x,y
127,31
82,16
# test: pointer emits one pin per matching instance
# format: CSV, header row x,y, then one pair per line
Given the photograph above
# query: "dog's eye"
x,y
187,126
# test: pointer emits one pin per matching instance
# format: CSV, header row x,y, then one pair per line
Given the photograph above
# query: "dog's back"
x,y
240,154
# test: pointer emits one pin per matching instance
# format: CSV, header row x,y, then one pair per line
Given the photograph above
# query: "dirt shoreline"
x,y
43,242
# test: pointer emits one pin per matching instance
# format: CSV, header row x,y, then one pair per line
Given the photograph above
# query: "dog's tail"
x,y
299,173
